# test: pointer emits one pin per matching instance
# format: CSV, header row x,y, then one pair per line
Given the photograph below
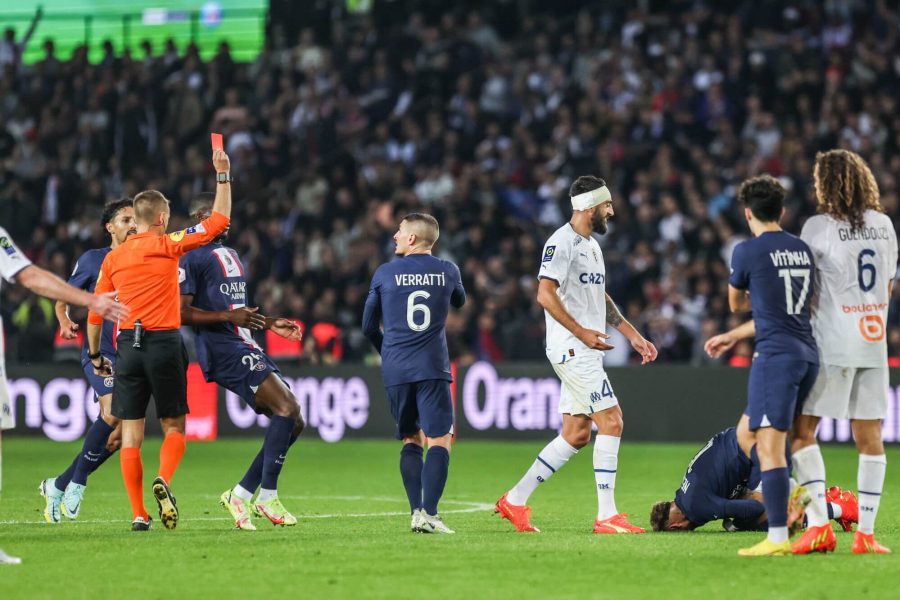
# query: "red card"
x,y
217,143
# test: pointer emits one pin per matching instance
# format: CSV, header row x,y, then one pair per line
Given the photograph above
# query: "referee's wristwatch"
x,y
223,177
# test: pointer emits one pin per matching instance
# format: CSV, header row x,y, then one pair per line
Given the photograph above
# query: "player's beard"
x,y
600,223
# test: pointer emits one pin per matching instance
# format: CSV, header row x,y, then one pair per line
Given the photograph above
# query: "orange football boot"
x,y
864,543
519,516
849,506
617,524
816,539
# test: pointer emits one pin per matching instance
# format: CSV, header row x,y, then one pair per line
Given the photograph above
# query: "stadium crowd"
x,y
335,135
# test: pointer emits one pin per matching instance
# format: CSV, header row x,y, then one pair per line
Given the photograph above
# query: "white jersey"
x,y
854,269
576,264
11,262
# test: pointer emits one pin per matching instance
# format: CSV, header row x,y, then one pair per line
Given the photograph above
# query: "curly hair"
x,y
845,186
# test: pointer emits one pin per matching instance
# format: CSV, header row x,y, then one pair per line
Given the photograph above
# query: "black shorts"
x,y
158,368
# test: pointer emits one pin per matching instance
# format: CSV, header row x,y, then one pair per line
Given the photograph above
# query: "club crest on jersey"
x,y
7,246
549,251
108,382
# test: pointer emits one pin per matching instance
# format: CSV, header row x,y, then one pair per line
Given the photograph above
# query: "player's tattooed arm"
x,y
613,314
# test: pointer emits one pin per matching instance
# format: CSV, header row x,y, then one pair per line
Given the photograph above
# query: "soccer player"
x,y
772,275
214,301
722,482
64,492
855,248
412,297
15,266
572,291
150,354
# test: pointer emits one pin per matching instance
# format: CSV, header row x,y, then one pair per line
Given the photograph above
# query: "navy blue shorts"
x,y
424,405
241,369
101,385
777,388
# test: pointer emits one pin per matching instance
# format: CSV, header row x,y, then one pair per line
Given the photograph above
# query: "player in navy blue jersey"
x,y
723,482
64,493
772,275
214,301
412,297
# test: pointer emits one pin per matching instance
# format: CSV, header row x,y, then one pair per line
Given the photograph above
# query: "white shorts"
x,y
585,386
848,393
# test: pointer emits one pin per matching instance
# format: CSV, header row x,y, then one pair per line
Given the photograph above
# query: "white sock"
x,y
836,511
242,493
870,483
265,494
778,535
606,459
550,460
811,474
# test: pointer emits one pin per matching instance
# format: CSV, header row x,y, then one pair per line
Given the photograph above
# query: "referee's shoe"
x,y
165,501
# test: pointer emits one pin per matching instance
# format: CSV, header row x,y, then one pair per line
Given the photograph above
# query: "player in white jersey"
x,y
15,266
572,291
855,249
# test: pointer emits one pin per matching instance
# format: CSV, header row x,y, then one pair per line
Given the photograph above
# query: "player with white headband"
x,y
572,292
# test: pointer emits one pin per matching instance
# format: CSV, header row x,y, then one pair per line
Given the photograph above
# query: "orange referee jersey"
x,y
144,272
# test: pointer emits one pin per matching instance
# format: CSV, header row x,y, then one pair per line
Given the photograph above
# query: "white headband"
x,y
591,199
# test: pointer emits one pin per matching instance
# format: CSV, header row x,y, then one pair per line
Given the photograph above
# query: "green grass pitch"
x,y
353,539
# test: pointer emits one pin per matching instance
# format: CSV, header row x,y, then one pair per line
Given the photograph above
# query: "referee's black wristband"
x,y
93,357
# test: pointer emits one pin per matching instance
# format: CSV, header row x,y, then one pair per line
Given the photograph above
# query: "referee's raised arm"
x,y
150,357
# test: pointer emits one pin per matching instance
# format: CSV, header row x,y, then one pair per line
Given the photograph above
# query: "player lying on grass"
x,y
63,493
213,301
723,482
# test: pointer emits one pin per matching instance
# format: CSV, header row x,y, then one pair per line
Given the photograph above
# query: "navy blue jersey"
x,y
84,277
412,297
716,478
777,269
214,276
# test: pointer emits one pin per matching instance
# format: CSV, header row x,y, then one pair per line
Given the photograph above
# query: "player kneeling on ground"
x,y
723,482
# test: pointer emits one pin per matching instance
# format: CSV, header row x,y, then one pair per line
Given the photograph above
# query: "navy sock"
x,y
830,510
776,486
411,471
62,480
434,477
92,451
275,447
253,476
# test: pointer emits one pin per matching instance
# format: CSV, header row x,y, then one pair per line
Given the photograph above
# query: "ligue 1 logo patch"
x,y
177,236
7,246
549,251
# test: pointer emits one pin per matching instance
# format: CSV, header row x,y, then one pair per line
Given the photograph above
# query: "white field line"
x,y
470,507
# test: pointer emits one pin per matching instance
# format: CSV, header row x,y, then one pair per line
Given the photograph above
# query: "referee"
x,y
150,355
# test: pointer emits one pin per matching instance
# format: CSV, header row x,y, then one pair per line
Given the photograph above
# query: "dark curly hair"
x,y
659,515
845,186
